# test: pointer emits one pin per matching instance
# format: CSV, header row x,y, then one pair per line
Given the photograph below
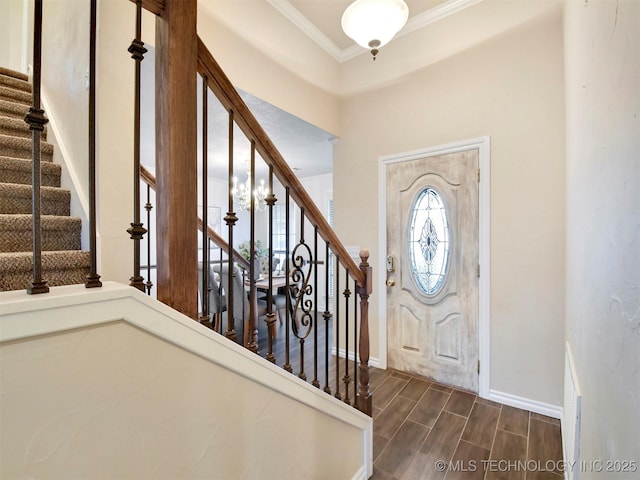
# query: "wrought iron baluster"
x,y
251,337
346,379
327,317
36,120
271,316
287,362
355,344
137,231
205,316
93,279
148,207
222,301
231,218
337,329
315,381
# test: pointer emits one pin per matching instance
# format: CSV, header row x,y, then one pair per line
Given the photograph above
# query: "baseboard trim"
x,y
554,411
361,474
373,361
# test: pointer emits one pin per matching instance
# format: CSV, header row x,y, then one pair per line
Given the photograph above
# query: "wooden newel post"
x,y
176,156
365,399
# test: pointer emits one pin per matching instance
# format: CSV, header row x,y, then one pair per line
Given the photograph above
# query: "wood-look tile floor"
x,y
423,430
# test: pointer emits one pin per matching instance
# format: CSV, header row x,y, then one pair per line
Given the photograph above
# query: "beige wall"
x,y
12,48
253,72
511,89
65,63
602,65
115,96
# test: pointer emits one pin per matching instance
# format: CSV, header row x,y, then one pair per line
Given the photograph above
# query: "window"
x,y
429,241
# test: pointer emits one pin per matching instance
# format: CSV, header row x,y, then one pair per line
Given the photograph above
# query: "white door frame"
x,y
484,236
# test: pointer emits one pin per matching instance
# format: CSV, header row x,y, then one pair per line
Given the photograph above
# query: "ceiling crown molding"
x,y
342,55
299,20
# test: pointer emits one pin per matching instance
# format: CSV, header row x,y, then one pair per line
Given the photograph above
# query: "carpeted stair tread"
x,y
13,73
17,127
13,95
58,233
19,147
63,262
59,268
12,109
18,170
15,83
16,198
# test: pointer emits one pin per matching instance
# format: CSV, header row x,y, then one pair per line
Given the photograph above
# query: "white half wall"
x,y
109,383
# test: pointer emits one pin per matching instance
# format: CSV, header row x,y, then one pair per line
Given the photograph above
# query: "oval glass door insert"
x,y
429,241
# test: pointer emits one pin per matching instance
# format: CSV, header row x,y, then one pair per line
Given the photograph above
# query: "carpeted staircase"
x,y
63,262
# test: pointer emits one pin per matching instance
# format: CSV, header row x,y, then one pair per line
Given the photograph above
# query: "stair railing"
x,y
302,273
322,343
37,120
328,344
303,314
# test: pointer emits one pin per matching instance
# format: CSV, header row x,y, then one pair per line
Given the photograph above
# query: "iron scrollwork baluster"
x,y
301,290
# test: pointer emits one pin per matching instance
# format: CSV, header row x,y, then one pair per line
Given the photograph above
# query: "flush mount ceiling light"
x,y
373,23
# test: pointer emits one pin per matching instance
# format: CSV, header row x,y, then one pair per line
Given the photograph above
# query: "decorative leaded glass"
x,y
429,241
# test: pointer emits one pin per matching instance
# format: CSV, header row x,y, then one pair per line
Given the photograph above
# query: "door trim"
x,y
483,145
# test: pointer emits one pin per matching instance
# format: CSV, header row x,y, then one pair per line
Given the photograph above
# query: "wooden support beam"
x,y
176,156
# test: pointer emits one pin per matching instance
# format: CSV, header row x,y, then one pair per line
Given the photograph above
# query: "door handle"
x,y
390,282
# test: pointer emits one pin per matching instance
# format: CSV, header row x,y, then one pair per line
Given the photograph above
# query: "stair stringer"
x,y
122,386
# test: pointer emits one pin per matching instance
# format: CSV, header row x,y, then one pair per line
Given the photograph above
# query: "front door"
x,y
432,267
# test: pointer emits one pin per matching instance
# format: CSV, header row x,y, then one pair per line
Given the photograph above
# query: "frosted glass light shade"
x,y
366,21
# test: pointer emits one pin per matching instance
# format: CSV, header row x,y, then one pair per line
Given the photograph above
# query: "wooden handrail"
x,y
147,177
231,100
154,6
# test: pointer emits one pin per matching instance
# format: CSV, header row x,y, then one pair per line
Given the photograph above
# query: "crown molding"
x,y
342,55
299,20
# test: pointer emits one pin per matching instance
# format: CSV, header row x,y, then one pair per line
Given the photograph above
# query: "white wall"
x,y
115,94
602,76
65,63
111,384
13,50
510,88
253,72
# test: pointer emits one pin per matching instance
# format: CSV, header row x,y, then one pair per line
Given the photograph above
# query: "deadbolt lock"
x,y
390,282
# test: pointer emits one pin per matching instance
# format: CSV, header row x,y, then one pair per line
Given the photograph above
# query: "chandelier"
x,y
242,194
373,23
